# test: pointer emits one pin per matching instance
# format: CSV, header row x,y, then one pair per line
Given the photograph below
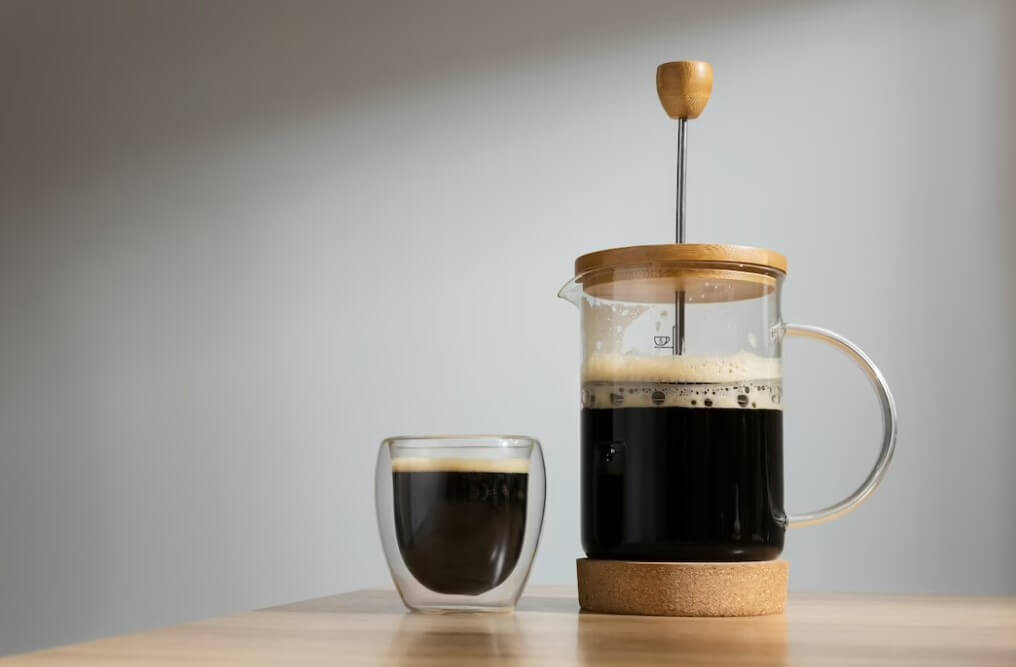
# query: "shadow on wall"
x,y
84,81
1007,179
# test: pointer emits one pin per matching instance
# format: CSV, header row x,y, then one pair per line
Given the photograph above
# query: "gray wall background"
x,y
241,242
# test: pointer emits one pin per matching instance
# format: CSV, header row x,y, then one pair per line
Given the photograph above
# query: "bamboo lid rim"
x,y
747,258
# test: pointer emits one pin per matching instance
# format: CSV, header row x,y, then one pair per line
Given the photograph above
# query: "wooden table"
x,y
373,628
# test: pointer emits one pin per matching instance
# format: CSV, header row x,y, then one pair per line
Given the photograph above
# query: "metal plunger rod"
x,y
684,88
682,163
682,166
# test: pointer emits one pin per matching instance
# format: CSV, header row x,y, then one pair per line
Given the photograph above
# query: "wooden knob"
x,y
684,87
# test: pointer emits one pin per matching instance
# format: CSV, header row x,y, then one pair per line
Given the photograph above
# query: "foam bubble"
x,y
419,464
740,367
743,395
742,380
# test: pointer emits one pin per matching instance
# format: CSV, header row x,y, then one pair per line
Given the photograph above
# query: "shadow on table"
x,y
384,602
632,640
361,602
460,639
549,605
552,631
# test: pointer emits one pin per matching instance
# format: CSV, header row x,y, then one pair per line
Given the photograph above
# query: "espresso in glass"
x,y
459,518
460,523
685,464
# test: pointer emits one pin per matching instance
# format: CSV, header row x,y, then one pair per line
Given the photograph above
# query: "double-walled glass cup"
x,y
460,518
682,415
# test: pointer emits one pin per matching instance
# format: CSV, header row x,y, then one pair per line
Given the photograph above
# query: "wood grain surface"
x,y
705,272
373,628
738,256
684,87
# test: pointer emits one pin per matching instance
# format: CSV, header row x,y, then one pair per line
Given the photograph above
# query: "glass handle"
x,y
889,426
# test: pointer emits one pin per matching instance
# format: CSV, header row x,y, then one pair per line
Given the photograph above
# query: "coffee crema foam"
x,y
742,380
420,464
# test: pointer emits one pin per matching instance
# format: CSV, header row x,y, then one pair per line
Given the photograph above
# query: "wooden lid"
x,y
743,257
705,273
754,588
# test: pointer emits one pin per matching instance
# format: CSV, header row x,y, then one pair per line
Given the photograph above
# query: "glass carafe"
x,y
682,416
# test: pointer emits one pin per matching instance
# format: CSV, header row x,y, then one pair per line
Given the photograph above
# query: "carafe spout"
x,y
571,292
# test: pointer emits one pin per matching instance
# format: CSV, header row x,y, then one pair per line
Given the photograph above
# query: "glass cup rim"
x,y
463,440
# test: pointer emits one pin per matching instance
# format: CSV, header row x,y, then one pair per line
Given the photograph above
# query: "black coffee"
x,y
682,472
460,523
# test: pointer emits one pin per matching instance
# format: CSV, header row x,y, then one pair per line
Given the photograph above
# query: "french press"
x,y
682,415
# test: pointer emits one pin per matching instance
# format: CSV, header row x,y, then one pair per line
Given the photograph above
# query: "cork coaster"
x,y
754,588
